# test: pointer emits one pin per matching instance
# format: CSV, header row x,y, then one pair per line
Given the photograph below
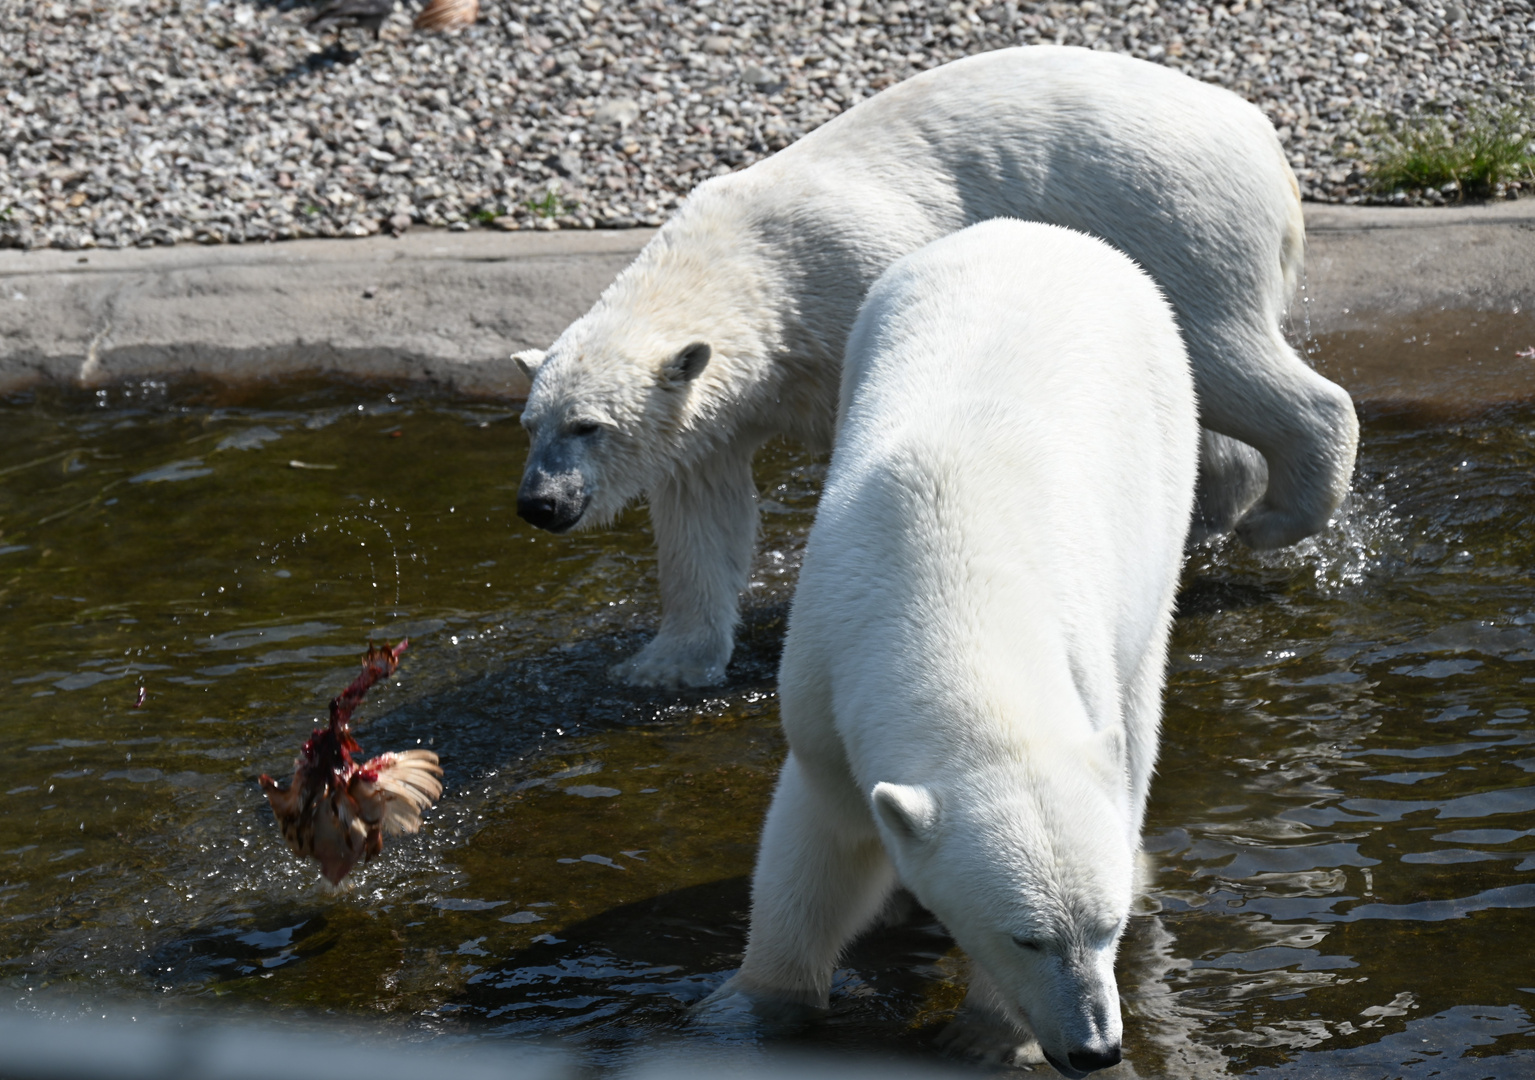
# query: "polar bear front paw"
x,y
671,663
734,1009
989,1040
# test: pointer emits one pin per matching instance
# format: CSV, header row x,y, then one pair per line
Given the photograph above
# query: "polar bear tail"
x,y
1292,248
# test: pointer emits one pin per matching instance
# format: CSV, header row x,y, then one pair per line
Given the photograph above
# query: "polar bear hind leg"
x,y
1263,394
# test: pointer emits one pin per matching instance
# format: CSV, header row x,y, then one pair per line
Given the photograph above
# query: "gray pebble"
x,y
620,112
163,122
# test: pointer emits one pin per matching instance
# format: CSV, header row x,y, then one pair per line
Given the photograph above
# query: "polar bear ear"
x,y
688,364
908,813
529,360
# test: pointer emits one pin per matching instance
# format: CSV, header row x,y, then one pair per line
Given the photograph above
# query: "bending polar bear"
x,y
971,683
729,327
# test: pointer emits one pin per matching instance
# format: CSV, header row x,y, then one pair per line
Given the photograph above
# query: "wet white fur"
x,y
768,266
971,684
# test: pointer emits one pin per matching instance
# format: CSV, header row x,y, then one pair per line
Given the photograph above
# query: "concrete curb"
x,y
441,306
1381,260
450,307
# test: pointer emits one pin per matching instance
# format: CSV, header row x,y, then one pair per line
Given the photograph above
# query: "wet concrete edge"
x,y
437,306
449,307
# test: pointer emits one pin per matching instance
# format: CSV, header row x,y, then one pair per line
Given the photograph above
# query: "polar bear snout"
x,y
1086,1061
1071,1004
553,501
1082,1062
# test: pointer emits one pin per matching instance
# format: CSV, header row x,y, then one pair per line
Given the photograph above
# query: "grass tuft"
x,y
1473,155
550,206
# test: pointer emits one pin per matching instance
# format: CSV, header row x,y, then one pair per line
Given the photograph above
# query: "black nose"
x,y
538,510
552,513
1090,1060
552,499
552,506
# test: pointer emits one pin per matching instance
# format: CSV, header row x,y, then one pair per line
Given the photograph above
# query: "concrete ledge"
x,y
1336,217
1423,311
451,307
1380,259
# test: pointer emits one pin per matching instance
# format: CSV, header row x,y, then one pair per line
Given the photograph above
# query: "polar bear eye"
x,y
1028,944
584,427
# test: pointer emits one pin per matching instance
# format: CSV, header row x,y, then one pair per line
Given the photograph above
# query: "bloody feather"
x,y
336,810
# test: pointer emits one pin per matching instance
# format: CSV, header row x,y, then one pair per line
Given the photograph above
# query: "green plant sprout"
x,y
550,206
1475,154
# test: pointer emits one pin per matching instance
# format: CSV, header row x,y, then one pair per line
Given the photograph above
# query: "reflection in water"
x,y
1340,850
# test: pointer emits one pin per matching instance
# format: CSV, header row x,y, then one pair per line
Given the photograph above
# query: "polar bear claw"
x,y
672,664
988,1039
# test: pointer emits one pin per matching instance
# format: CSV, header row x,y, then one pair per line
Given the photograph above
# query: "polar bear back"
x,y
1003,519
1097,142
1184,177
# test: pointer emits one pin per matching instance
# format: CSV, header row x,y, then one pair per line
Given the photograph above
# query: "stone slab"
x,y
1425,311
451,307
1379,260
443,306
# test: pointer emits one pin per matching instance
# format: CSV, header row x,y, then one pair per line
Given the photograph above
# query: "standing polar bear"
x,y
971,683
729,327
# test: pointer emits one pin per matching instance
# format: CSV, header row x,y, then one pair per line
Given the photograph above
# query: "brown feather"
x,y
339,839
284,800
447,14
406,785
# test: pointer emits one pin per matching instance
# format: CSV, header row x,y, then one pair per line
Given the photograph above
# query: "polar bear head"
x,y
642,384
1031,870
599,425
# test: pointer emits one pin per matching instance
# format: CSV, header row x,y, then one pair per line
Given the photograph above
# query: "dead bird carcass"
x,y
336,810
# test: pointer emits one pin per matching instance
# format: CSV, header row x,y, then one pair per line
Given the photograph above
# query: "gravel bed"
x,y
136,122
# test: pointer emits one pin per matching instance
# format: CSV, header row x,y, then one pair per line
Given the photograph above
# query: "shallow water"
x,y
1341,841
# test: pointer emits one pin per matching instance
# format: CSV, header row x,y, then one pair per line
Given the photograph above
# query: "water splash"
x,y
1307,342
394,551
1364,536
359,527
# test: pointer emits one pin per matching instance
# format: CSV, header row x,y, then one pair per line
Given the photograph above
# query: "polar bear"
x,y
971,682
729,326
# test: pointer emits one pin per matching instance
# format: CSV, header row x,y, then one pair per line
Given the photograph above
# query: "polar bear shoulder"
x,y
1015,396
